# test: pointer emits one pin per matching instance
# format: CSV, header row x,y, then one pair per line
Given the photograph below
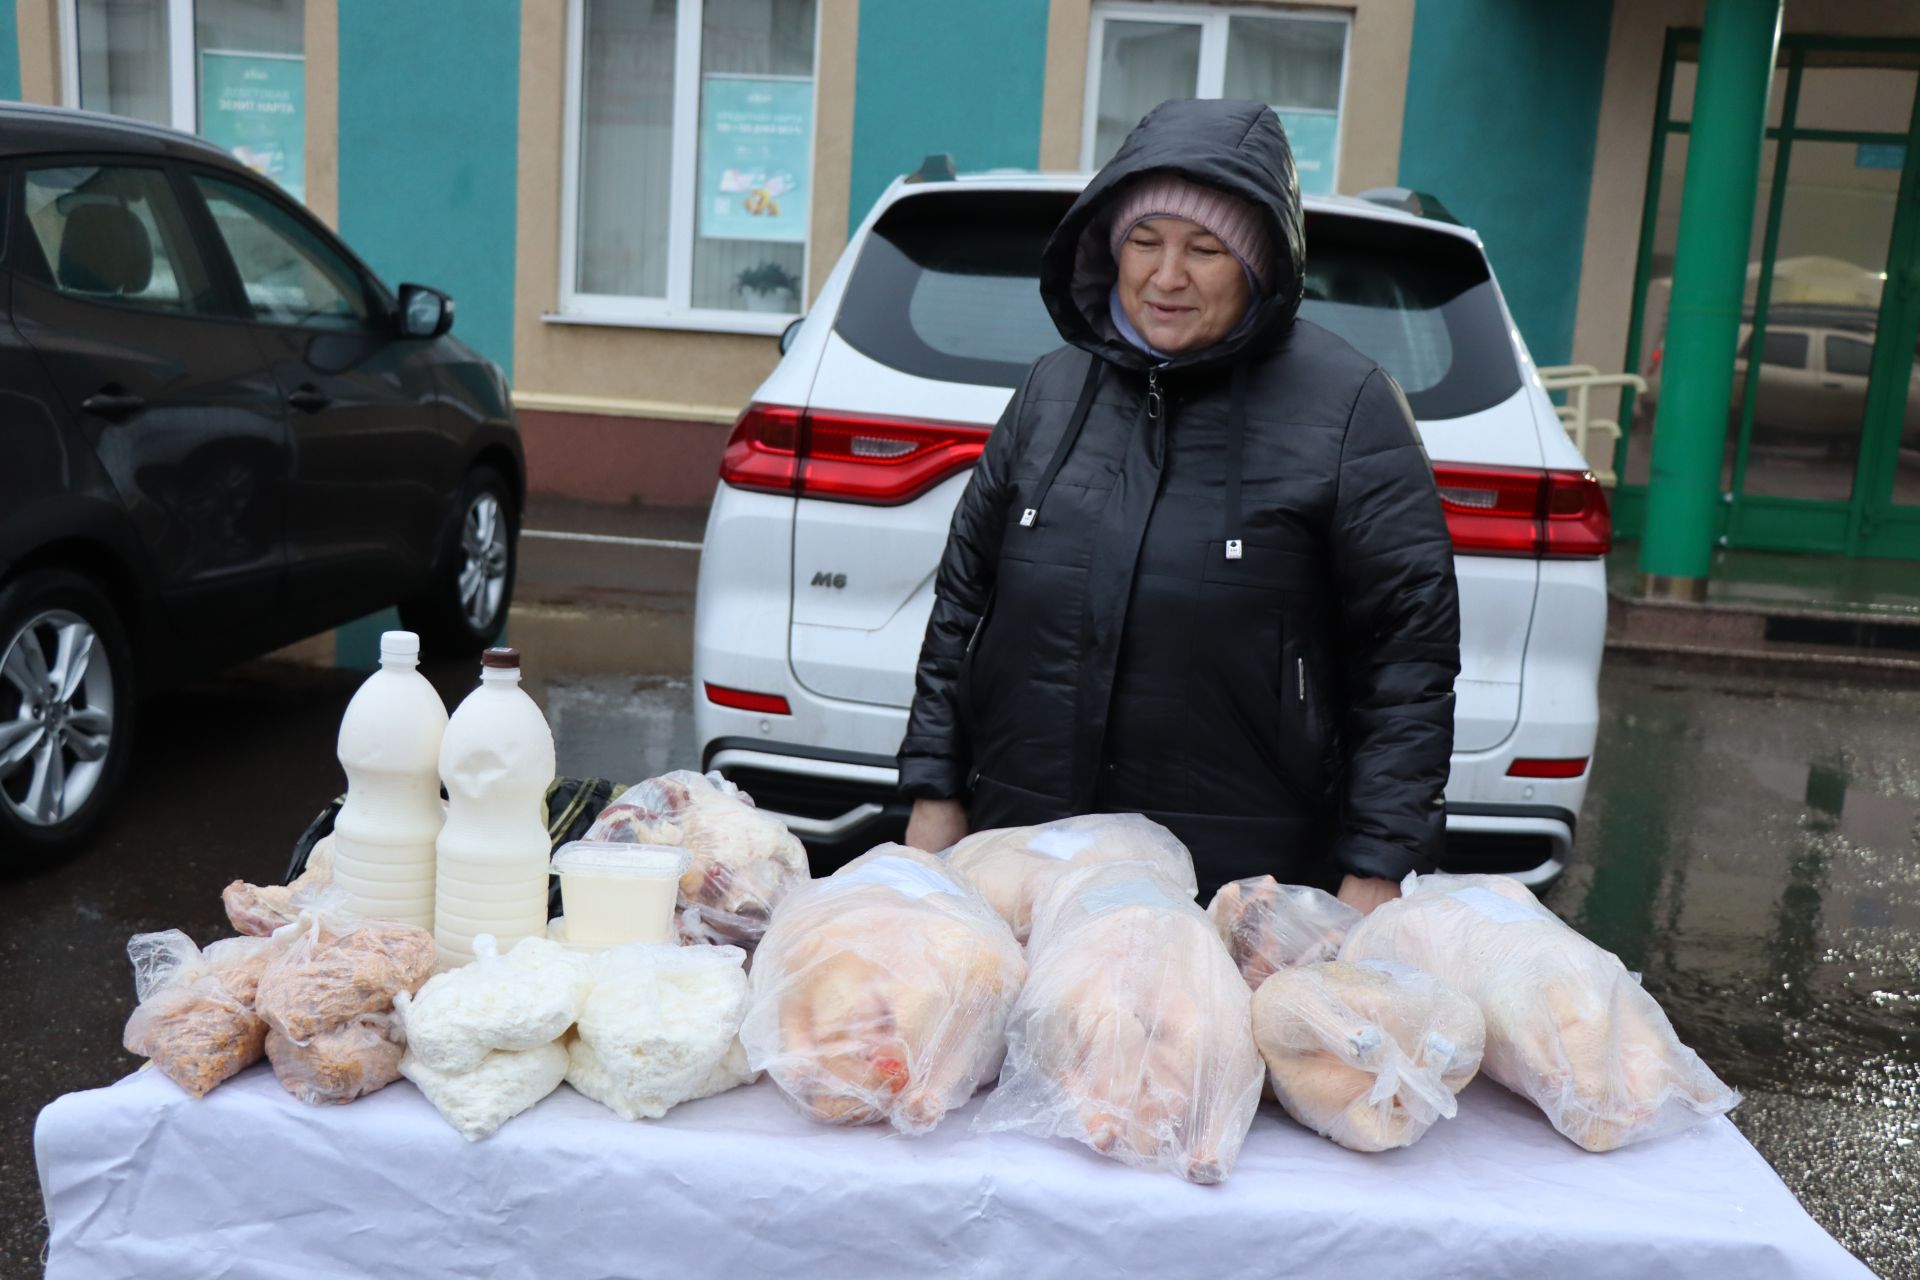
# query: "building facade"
x,y
630,199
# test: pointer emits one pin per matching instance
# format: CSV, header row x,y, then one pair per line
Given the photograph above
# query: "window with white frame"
x,y
689,162
233,71
1295,61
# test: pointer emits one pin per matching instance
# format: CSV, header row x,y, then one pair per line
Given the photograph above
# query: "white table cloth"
x,y
142,1180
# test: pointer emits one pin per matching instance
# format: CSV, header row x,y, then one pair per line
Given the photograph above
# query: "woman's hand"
x,y
1362,893
936,824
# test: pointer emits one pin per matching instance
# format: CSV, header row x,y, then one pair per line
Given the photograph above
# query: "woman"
x,y
1201,571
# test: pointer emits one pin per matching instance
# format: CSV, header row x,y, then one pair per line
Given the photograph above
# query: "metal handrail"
x,y
1579,382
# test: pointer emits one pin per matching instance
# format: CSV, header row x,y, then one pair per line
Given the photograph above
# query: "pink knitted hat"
x,y
1236,222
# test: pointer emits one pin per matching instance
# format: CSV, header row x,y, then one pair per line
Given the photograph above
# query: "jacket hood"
x,y
1233,146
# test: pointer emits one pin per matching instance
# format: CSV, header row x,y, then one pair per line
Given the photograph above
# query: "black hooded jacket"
x,y
1095,647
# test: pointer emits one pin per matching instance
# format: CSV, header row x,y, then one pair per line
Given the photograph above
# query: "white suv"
x,y
840,479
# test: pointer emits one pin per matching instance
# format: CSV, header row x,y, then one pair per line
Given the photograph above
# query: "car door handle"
x,y
109,402
309,399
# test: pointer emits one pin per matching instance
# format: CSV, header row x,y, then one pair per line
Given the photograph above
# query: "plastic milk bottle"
x,y
497,762
383,837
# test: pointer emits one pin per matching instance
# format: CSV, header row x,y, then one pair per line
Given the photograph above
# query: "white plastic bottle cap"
x,y
400,644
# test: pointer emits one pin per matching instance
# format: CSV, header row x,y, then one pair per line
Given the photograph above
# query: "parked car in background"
x,y
223,434
840,479
1814,366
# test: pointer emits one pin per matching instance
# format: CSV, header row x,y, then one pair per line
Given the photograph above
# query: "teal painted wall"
x,y
9,52
1503,101
429,123
964,76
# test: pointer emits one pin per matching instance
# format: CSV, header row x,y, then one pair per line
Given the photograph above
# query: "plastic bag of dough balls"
x,y
1367,1054
335,967
1014,866
1269,926
341,1063
1567,1025
1134,1031
882,992
522,1000
742,862
504,1083
195,1016
660,1027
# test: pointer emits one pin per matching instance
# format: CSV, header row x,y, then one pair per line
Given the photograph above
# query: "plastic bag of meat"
x,y
1567,1025
259,909
340,1063
1015,866
195,1018
1269,926
882,992
1369,1055
1134,1032
742,861
661,1027
522,1000
335,967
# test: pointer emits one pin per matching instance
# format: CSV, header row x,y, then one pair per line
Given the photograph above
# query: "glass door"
x,y
1816,457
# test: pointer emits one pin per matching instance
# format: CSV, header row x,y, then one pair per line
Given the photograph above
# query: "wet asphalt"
x,y
1750,845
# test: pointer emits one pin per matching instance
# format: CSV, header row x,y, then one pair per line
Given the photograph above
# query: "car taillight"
x,y
846,457
743,700
1509,511
1547,768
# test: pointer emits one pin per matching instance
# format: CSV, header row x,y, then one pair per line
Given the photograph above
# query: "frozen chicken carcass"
x,y
341,1063
1369,1055
1567,1025
505,1083
336,967
1134,1032
259,909
881,992
660,1027
522,1000
1015,866
195,1018
742,862
1269,926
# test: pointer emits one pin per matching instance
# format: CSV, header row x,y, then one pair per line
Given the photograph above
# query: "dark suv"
x,y
221,433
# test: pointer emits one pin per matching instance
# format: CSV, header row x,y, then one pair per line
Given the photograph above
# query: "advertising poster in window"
x,y
255,106
756,133
1312,135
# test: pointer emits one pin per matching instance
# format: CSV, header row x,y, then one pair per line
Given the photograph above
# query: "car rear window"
x,y
947,287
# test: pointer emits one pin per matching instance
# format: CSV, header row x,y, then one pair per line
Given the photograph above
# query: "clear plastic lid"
x,y
637,861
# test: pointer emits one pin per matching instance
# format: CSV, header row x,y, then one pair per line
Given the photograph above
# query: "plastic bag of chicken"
x,y
1134,1032
743,862
1367,1054
1015,866
1269,926
1567,1025
195,1018
881,992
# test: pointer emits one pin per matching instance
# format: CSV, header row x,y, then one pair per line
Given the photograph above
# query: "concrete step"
x,y
1881,646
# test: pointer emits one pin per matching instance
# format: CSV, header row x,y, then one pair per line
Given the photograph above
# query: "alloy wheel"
x,y
56,717
483,573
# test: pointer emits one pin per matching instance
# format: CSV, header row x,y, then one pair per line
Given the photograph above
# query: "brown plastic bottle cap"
x,y
500,660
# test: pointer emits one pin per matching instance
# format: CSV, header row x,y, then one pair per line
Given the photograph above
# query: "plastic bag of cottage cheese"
x,y
519,1001
505,1083
660,1027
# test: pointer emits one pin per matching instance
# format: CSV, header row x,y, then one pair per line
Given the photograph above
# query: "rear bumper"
x,y
843,803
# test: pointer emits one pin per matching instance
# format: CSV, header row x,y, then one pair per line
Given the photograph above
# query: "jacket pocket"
x,y
1304,738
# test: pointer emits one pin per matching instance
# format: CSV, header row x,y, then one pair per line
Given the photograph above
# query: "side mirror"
x,y
788,334
424,312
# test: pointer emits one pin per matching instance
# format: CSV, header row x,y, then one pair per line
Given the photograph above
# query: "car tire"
x,y
464,607
65,663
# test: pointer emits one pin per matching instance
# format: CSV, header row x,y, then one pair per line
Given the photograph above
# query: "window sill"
x,y
766,323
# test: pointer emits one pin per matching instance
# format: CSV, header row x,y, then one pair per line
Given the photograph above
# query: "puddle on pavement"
x,y
1754,851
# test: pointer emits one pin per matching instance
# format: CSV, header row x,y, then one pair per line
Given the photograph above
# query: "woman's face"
x,y
1180,286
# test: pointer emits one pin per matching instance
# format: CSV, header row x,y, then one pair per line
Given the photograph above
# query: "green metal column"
x,y
1737,48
